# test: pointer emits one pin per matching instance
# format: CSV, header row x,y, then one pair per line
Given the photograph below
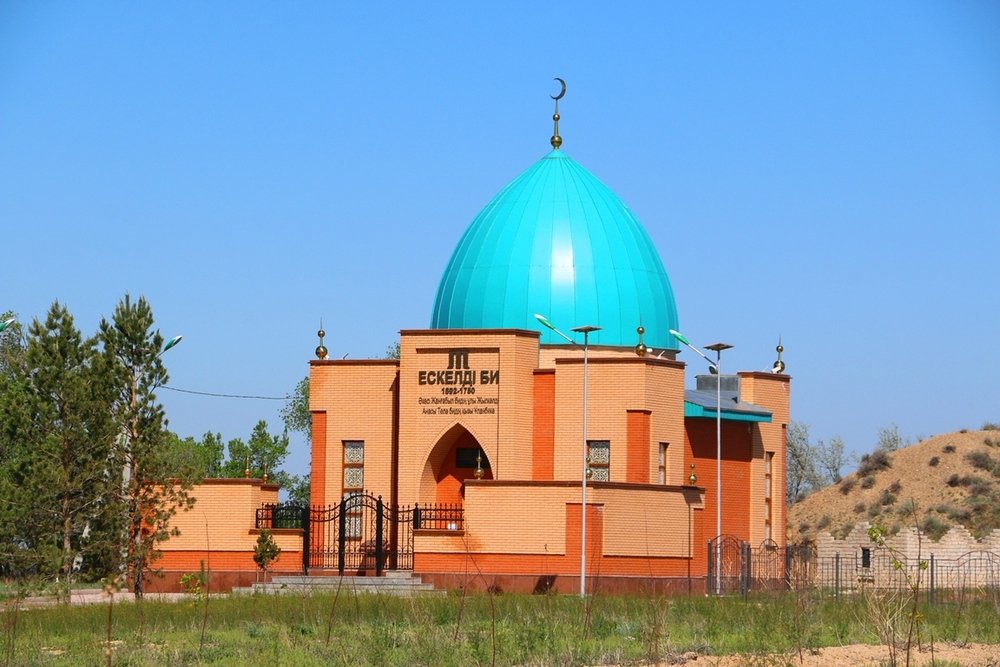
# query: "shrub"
x,y
873,463
823,522
934,461
948,449
990,442
981,460
887,498
934,527
895,487
964,430
960,514
803,527
991,426
953,480
844,530
867,482
907,507
980,488
859,508
847,485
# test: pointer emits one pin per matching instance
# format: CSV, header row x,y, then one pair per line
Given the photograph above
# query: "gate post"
x,y
836,575
416,516
745,568
341,534
378,537
930,595
711,577
305,539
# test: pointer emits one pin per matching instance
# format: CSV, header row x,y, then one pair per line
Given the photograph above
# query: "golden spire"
x,y
779,365
640,348
556,140
321,349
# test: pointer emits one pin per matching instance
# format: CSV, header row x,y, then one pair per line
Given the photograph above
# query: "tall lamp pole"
x,y
716,368
586,331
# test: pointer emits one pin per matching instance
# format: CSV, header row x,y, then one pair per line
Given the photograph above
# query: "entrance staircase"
x,y
401,583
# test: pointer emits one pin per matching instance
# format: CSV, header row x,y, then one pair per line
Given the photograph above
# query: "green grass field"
x,y
474,630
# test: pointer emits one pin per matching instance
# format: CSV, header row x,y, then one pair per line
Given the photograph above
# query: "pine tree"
x,y
150,492
59,437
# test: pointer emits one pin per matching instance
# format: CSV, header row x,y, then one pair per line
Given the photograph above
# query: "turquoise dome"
x,y
558,242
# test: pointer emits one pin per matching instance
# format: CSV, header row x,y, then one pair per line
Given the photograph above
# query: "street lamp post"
x,y
586,330
716,367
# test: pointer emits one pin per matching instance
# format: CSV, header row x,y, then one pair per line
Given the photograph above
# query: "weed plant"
x,y
520,629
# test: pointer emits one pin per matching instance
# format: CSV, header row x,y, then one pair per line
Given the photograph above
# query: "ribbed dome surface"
x,y
557,241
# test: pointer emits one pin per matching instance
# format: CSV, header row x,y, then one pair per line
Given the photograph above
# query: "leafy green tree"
x,y
298,489
263,452
392,352
150,492
803,477
198,459
831,459
295,414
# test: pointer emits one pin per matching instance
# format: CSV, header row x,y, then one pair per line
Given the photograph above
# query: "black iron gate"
x,y
360,534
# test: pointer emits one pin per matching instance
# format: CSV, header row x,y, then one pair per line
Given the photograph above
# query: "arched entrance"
x,y
454,459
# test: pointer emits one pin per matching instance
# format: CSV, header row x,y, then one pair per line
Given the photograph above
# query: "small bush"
x,y
953,481
886,498
867,482
844,530
934,461
823,522
964,430
990,442
895,487
803,527
991,426
873,463
859,508
960,514
847,485
949,449
874,510
907,507
980,488
981,460
934,527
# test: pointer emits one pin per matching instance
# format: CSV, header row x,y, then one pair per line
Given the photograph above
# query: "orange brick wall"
x,y
544,431
358,399
219,530
771,391
629,528
736,472
637,434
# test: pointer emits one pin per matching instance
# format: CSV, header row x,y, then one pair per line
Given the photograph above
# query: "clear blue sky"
x,y
829,173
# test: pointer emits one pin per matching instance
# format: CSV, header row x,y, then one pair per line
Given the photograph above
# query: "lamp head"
x,y
679,336
6,323
170,343
544,322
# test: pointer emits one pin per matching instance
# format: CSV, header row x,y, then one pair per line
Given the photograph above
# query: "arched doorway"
x,y
454,459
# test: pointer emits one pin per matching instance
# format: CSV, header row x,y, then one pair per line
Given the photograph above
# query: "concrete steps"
x,y
400,583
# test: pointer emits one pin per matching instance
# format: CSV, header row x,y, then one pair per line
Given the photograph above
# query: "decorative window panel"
x,y
354,465
354,478
599,460
354,451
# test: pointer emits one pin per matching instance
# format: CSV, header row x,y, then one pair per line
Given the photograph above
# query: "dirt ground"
x,y
862,655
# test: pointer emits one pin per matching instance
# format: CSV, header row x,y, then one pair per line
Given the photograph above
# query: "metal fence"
x,y
973,575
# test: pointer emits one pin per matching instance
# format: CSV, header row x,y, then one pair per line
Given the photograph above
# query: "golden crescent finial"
x,y
561,92
556,140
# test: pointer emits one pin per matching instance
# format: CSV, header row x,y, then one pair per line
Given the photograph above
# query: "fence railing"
x,y
439,516
974,574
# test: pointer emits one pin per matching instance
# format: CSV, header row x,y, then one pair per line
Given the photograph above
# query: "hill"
x,y
944,481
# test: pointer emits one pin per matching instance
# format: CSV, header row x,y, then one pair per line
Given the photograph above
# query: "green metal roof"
x,y
557,241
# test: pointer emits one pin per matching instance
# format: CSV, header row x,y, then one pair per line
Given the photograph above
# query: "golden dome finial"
x,y
321,350
779,365
556,140
640,348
